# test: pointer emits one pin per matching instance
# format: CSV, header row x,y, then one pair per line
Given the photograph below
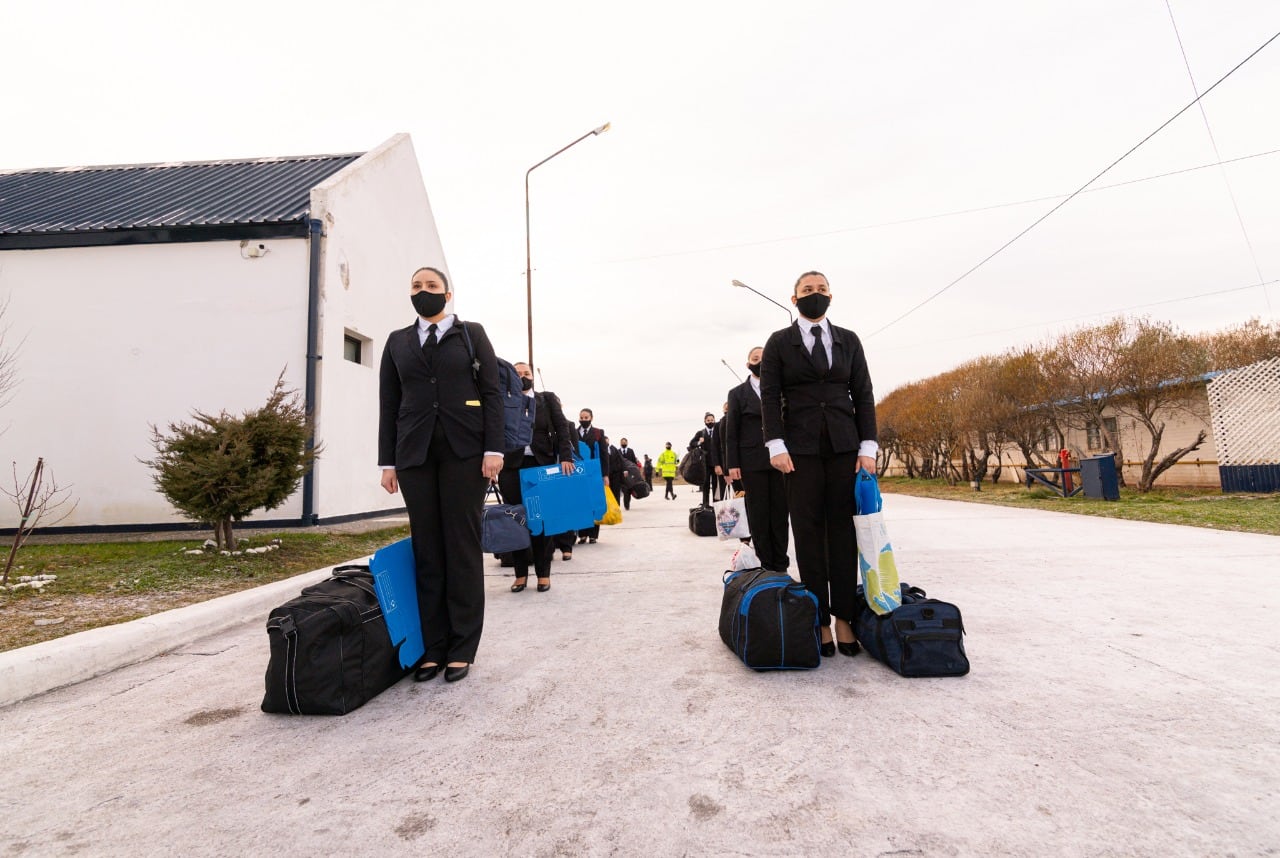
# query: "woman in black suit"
x,y
440,440
825,432
748,461
551,443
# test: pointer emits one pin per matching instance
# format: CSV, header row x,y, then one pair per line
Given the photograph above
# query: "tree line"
x,y
951,425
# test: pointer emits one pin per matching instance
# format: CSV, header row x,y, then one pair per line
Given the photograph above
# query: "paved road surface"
x,y
1124,700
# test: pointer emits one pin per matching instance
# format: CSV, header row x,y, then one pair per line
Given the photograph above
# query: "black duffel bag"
x,y
770,621
693,467
330,650
702,520
921,637
633,481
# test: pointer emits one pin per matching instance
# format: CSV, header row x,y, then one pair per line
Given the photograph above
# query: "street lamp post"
x,y
528,256
742,285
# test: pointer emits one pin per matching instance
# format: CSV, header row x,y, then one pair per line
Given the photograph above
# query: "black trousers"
x,y
671,491
707,481
621,495
564,541
541,546
766,497
721,485
820,500
444,498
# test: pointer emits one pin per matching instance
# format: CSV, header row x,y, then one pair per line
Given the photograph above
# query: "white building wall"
x,y
378,229
112,339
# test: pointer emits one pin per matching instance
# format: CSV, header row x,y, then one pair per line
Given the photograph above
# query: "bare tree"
x,y
8,359
1159,370
1242,345
1085,367
36,500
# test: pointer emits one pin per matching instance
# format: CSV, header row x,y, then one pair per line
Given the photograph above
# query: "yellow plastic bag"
x,y
612,512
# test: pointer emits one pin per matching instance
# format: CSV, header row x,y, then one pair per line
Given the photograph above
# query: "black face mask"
x,y
710,423
428,304
813,305
526,383
585,424
755,369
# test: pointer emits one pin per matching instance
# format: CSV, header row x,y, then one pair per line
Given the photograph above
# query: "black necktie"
x,y
430,342
819,351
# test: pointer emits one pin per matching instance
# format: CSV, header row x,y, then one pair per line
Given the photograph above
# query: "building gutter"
x,y
315,234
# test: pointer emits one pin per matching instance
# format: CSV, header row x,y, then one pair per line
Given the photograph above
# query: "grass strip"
x,y
113,582
1196,507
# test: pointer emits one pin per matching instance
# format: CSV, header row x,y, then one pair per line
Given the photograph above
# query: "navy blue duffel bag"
x,y
769,620
922,637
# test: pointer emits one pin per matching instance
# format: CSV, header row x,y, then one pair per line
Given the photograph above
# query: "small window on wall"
x,y
355,348
1094,434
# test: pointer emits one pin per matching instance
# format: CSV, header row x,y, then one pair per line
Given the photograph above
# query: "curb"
x,y
31,670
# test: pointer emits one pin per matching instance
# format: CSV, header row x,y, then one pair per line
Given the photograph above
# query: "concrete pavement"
x,y
1123,701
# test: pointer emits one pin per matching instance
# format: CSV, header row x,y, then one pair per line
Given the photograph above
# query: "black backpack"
x,y
518,410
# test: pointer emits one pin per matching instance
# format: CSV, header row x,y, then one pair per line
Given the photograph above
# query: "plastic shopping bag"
x,y
875,553
744,558
731,518
612,513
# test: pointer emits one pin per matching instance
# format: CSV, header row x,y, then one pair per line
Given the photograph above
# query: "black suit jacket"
x,y
416,395
617,464
797,400
551,442
744,431
629,454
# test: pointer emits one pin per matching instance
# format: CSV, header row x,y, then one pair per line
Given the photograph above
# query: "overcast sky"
x,y
750,140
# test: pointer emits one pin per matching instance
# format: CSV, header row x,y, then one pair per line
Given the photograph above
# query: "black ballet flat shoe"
x,y
582,540
519,588
426,673
827,649
542,588
566,555
456,674
850,649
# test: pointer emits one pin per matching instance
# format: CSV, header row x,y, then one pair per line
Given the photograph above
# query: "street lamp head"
x,y
739,284
602,128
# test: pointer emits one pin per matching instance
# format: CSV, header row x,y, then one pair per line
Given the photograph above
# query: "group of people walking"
x,y
792,437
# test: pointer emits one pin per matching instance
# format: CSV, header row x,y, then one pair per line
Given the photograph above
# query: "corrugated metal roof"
x,y
73,200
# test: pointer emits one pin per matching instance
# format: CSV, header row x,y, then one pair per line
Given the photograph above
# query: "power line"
x,y
936,216
1084,316
1226,180
1075,193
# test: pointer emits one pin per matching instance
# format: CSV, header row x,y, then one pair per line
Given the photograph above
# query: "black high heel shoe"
x,y
850,649
542,588
827,649
426,673
456,674
517,588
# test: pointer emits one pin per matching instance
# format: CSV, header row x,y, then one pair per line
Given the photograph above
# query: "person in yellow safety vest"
x,y
668,461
